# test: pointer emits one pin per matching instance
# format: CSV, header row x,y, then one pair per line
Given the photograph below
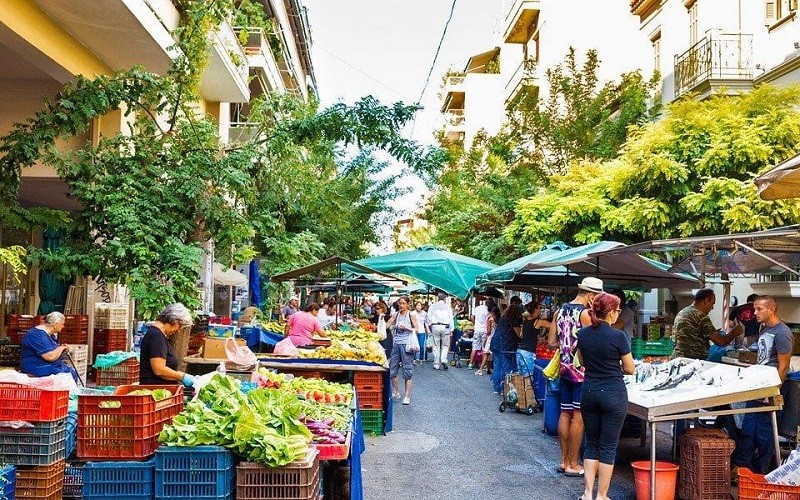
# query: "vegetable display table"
x,y
704,385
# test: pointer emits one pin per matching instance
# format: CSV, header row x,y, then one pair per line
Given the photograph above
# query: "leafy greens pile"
x,y
262,426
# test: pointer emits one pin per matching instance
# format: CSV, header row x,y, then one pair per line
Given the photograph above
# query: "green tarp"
x,y
447,271
507,272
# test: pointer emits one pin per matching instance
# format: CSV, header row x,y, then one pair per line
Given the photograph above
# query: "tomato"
x,y
329,398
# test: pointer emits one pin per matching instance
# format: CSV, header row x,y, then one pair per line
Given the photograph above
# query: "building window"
x,y
656,42
694,32
777,11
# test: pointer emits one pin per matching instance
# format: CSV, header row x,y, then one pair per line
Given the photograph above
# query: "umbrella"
x,y
780,182
450,272
507,272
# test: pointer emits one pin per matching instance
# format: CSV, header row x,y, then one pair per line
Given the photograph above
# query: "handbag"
x,y
553,368
413,343
381,328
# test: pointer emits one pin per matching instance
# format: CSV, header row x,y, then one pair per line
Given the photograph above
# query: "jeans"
x,y
603,415
503,363
421,355
755,447
401,361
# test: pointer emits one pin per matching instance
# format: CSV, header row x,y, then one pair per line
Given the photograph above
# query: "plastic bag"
x,y
413,343
239,354
381,329
286,347
553,368
429,343
113,358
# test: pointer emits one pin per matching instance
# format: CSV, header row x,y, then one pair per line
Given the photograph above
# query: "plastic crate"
x,y
641,348
198,472
10,354
705,467
118,480
129,431
76,321
8,475
42,444
72,434
296,481
73,480
73,336
370,381
106,340
42,482
335,451
370,399
372,421
15,336
22,402
124,373
753,486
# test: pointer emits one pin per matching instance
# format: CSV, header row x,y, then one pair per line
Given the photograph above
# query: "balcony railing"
x,y
525,71
455,118
721,56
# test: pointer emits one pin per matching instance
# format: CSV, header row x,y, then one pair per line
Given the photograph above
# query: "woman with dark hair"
x,y
504,345
605,354
531,324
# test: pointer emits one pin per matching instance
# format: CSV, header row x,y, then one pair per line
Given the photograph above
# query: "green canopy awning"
x,y
447,271
507,272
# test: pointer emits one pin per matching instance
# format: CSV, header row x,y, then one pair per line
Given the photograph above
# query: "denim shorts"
x,y
570,394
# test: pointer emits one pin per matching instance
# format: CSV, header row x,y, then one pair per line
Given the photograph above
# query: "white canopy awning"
x,y
228,277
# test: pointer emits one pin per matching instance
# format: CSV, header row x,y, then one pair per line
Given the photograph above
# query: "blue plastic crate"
x,y
73,481
72,433
42,444
118,480
8,476
194,472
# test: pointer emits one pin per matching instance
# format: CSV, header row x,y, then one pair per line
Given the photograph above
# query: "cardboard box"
x,y
215,348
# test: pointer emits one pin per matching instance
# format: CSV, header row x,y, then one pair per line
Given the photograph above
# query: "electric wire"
x,y
343,61
438,49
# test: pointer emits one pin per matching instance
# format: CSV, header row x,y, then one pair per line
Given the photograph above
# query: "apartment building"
x,y
532,36
45,44
707,46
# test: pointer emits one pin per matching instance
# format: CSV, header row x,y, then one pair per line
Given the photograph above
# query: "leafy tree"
x,y
688,174
151,196
581,118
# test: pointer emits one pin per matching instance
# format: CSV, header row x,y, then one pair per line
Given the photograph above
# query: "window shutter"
x,y
792,5
769,12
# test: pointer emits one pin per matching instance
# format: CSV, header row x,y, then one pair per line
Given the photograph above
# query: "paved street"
x,y
453,443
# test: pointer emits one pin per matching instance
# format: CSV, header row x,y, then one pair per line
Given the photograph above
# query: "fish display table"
x,y
682,388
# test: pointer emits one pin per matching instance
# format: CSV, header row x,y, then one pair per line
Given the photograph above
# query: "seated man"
x,y
41,353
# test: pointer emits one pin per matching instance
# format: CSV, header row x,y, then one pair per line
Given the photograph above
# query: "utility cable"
x,y
360,71
438,48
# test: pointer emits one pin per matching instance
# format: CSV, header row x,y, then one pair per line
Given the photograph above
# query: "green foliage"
x,y
13,258
688,174
483,192
150,196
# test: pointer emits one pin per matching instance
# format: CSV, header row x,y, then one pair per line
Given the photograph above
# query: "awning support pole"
x,y
770,259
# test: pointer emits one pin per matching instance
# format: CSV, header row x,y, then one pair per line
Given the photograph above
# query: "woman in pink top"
x,y
302,325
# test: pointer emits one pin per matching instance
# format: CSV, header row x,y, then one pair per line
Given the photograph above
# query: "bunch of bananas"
x,y
273,326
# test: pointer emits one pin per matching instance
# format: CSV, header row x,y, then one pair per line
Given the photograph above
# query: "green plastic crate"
x,y
372,421
641,348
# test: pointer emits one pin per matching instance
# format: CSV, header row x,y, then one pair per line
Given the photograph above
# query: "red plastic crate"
x,y
76,321
16,335
753,486
42,482
73,336
22,402
370,400
705,467
129,431
335,451
368,380
124,373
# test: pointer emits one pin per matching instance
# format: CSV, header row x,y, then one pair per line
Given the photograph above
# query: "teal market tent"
x,y
450,272
510,271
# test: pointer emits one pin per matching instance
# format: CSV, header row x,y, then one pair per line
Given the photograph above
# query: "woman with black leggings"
x,y
605,353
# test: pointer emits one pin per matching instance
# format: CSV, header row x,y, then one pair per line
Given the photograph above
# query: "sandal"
x,y
574,474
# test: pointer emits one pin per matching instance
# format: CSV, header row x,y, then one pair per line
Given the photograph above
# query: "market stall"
x,y
682,388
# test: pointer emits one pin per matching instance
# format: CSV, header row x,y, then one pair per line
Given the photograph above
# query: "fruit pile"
x,y
370,351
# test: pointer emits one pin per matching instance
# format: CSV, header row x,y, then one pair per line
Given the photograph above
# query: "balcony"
x,y
261,59
225,77
521,20
454,92
719,60
524,77
241,128
454,127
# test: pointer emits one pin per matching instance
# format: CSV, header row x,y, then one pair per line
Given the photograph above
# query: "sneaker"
x,y
470,366
396,395
407,400
479,372
435,367
445,367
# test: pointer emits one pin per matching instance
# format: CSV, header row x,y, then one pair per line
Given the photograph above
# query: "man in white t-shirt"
x,y
479,318
327,315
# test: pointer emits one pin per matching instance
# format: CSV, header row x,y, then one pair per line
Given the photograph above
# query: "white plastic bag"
x,y
240,355
413,343
381,329
286,347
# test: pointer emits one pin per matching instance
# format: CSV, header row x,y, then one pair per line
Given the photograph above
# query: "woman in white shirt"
x,y
421,315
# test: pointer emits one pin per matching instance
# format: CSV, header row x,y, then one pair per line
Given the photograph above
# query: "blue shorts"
x,y
570,394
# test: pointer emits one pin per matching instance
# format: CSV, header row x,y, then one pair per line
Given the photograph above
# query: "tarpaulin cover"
x,y
113,358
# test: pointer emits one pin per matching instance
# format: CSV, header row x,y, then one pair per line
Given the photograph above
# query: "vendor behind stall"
x,y
327,314
158,363
302,325
41,353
